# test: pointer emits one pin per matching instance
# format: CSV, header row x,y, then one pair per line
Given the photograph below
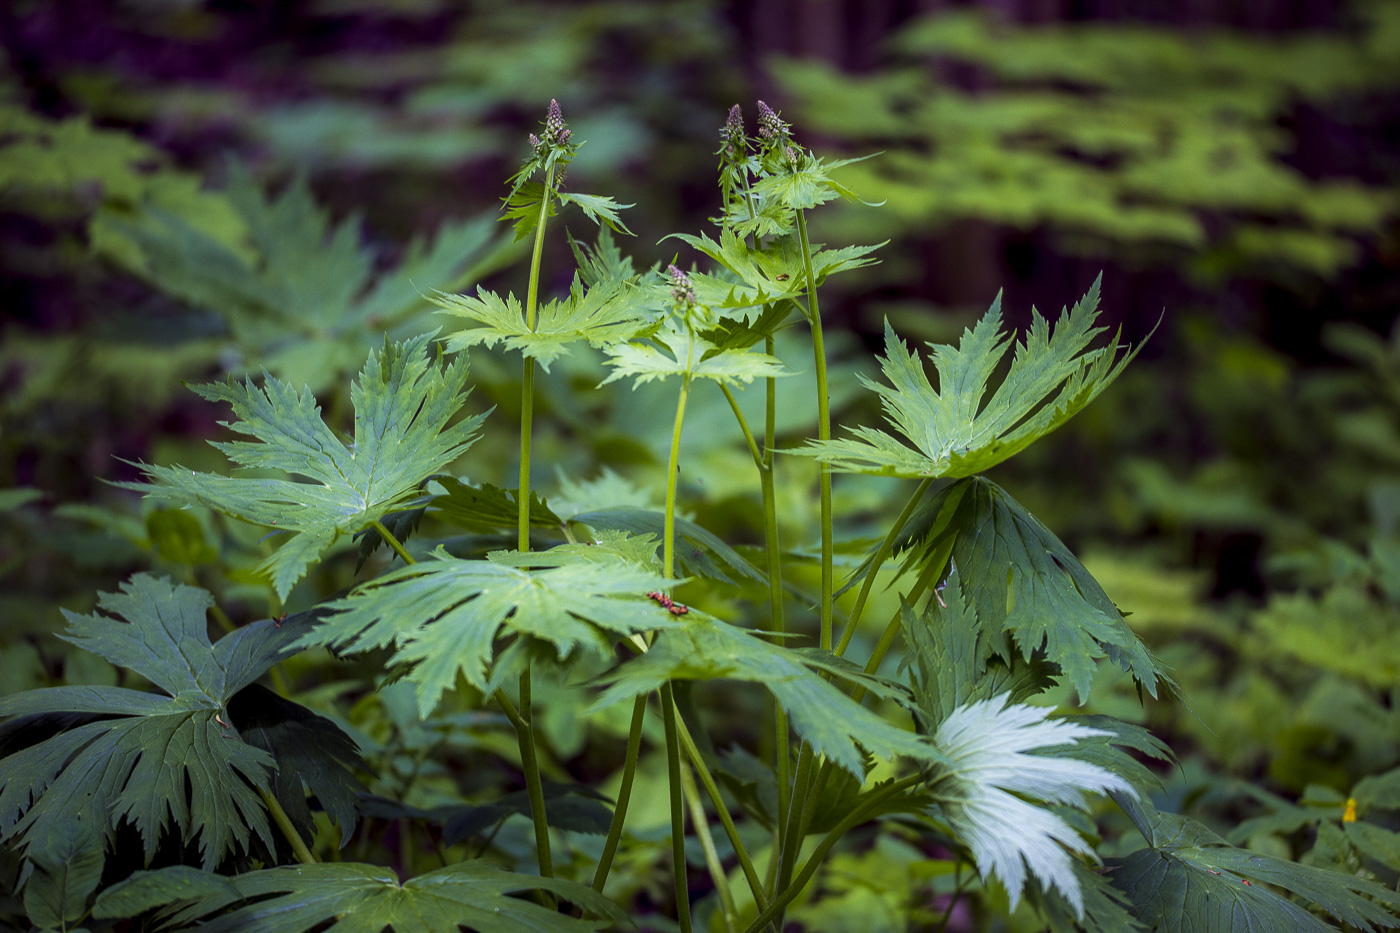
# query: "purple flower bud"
x,y
682,291
534,142
770,126
732,133
554,121
564,135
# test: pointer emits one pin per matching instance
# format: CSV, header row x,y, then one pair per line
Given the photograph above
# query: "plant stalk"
x,y
853,819
673,773
624,794
823,427
772,549
707,845
523,720
534,787
886,546
527,388
284,823
393,542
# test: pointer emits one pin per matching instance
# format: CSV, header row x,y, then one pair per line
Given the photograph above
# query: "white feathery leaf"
x,y
988,744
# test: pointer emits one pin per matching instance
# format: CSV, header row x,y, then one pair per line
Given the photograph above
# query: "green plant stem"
x,y
952,901
743,426
792,838
527,387
523,720
707,845
772,549
814,316
692,751
853,819
624,794
673,773
284,823
530,765
668,545
886,546
393,542
933,571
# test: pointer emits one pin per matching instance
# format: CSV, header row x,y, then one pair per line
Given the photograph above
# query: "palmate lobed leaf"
x,y
705,648
1189,880
1030,592
403,403
954,431
605,313
443,616
688,354
155,761
360,898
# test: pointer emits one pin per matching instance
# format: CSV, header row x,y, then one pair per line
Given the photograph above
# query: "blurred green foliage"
x,y
1118,138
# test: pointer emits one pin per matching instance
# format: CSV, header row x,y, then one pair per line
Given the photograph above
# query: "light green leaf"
x,y
443,615
954,432
403,403
984,791
67,867
1191,881
605,313
601,210
687,353
369,899
704,648
699,552
806,183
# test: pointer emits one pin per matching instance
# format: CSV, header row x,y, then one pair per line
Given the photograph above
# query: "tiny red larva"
x,y
677,609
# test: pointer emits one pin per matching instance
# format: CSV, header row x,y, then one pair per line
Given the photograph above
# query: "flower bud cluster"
x,y
732,134
682,290
771,127
556,133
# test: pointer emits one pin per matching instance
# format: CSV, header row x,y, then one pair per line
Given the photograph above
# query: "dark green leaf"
x,y
145,890
571,807
67,867
1023,582
1189,879
313,756
154,761
369,899
486,508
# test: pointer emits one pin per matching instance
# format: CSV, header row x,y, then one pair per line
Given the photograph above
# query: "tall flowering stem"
x,y
552,151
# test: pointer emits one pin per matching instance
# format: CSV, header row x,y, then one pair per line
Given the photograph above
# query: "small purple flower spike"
x,y
681,288
733,130
770,126
554,122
